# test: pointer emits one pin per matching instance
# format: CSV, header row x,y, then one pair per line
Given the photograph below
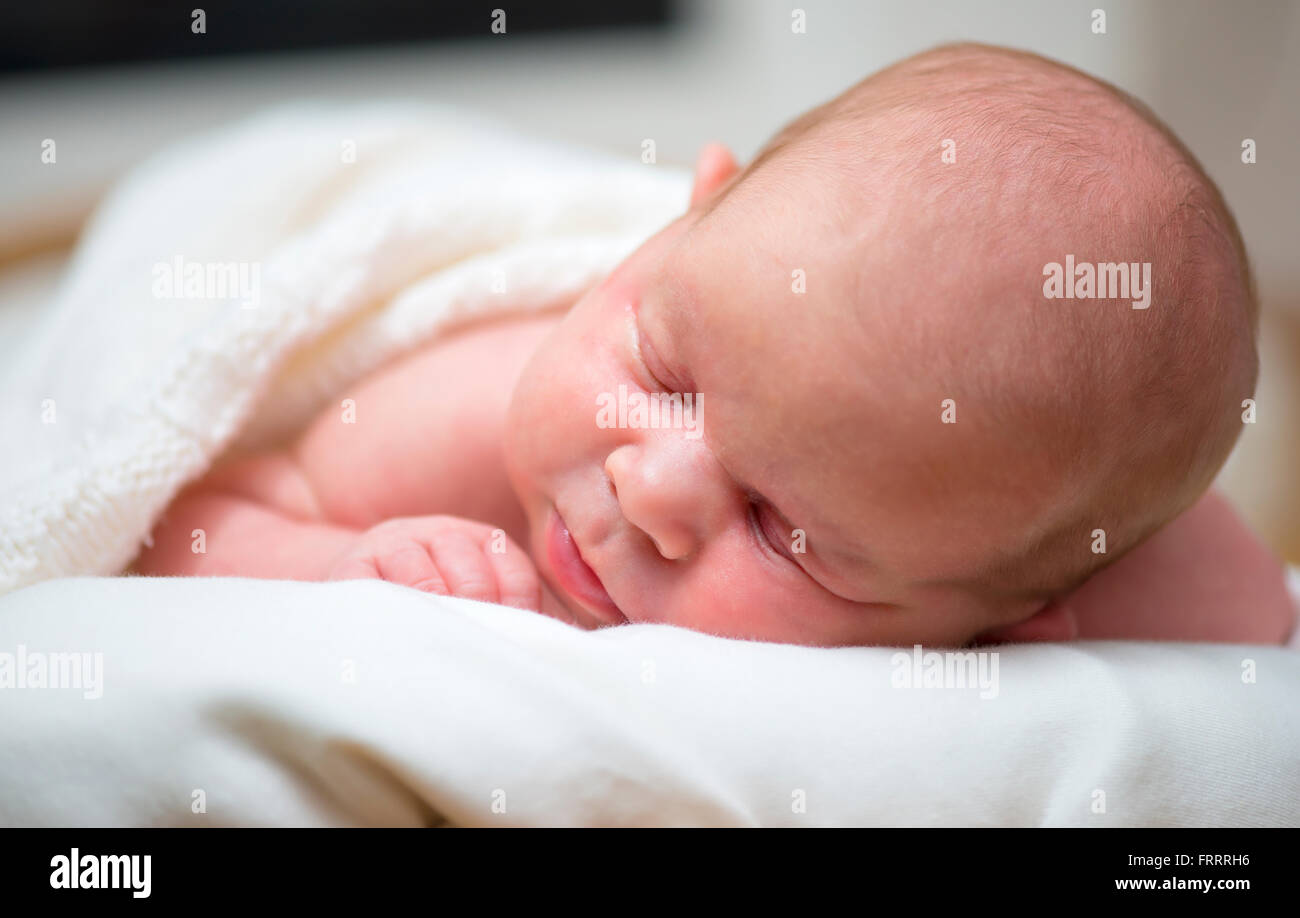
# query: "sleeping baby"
x,y
955,359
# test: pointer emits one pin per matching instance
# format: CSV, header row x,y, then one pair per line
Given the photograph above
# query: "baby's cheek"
x,y
741,596
728,595
541,405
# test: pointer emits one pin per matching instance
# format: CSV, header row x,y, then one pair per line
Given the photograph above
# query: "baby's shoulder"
x,y
479,360
500,341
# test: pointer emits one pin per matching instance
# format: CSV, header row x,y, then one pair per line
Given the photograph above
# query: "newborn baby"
x,y
899,429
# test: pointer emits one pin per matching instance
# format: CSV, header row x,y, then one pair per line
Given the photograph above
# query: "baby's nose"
x,y
668,490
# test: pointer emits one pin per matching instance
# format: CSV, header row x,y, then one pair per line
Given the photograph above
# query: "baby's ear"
x,y
1053,622
713,168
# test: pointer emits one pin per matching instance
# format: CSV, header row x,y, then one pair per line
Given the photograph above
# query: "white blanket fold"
x,y
363,703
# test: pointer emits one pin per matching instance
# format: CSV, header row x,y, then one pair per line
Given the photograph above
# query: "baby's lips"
x,y
574,577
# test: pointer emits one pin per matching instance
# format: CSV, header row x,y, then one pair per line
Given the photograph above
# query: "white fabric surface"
x,y
356,261
237,688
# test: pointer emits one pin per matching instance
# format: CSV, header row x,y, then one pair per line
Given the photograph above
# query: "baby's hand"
x,y
445,555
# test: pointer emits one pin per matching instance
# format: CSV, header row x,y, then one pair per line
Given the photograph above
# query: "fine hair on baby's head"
x,y
958,188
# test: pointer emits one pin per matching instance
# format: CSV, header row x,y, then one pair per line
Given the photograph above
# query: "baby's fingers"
x,y
401,561
518,584
463,566
354,567
447,556
412,565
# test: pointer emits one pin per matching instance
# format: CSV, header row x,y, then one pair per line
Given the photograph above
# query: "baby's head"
x,y
898,437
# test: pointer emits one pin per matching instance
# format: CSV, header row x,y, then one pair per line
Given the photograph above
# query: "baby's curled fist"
x,y
445,555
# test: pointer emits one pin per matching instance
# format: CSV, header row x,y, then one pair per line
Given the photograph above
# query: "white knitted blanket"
x,y
236,281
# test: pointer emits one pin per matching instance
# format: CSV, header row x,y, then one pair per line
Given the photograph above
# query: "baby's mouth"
x,y
574,576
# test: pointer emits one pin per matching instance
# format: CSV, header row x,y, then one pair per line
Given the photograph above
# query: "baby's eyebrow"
x,y
676,296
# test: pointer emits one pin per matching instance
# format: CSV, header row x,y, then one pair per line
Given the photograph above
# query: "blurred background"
x,y
114,80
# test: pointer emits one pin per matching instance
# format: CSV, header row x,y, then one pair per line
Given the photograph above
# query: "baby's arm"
x,y
438,554
423,442
253,518
1204,577
424,434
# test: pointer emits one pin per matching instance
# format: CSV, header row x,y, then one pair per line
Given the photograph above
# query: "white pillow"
x,y
234,702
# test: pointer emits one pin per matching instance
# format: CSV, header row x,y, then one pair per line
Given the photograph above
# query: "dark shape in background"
x,y
50,34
